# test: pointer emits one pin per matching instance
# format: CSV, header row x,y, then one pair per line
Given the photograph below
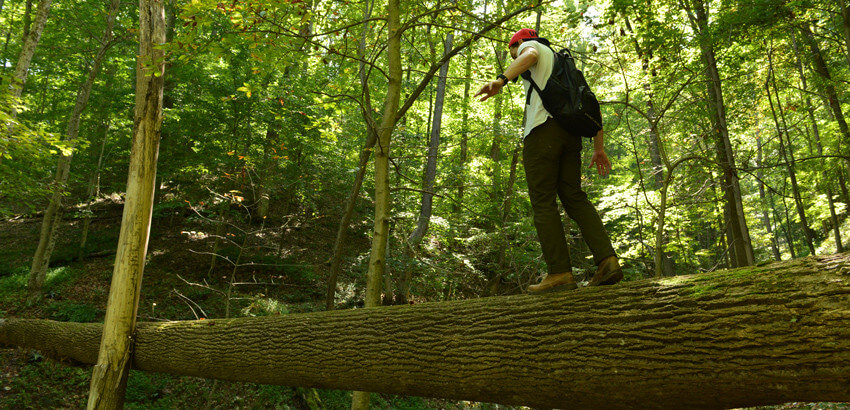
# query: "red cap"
x,y
523,34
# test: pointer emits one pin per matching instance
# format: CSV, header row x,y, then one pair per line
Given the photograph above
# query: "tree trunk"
x,y
738,233
787,152
109,375
382,152
380,236
788,236
815,130
774,246
496,146
844,9
842,185
53,214
464,135
433,146
28,50
268,164
93,193
828,87
27,20
747,337
506,204
834,219
371,139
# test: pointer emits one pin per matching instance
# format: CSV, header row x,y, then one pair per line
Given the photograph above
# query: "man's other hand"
x,y
600,159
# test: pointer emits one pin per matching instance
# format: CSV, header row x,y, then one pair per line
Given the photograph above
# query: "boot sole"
x,y
559,288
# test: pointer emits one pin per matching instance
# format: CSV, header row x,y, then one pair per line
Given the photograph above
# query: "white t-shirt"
x,y
535,114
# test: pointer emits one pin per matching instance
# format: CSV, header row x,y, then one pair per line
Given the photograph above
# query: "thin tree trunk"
x,y
844,9
6,48
109,375
828,88
426,208
663,262
377,256
839,247
28,50
53,214
506,210
433,147
788,226
748,337
496,146
842,185
365,153
27,19
738,233
816,131
93,193
220,231
774,246
263,200
787,152
382,151
464,135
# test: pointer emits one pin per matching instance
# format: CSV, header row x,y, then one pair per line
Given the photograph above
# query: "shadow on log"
x,y
745,337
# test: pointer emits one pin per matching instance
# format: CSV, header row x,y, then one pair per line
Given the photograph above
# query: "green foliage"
x,y
148,390
13,281
48,384
265,307
67,311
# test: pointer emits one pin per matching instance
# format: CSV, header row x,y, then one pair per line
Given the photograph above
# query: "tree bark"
x,y
53,213
109,375
746,337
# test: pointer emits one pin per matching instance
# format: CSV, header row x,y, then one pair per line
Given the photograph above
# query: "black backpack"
x,y
568,97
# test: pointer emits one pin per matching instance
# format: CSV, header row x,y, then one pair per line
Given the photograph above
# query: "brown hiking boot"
x,y
609,272
554,283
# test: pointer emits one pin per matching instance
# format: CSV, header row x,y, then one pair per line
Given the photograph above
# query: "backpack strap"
x,y
527,74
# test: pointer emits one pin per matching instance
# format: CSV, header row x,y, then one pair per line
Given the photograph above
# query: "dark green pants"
x,y
552,160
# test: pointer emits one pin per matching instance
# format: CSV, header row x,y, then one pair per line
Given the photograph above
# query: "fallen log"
x,y
745,337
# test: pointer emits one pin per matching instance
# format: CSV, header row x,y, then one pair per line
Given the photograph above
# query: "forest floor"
x,y
282,273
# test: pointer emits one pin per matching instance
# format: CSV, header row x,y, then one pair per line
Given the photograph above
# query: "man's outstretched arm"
x,y
524,61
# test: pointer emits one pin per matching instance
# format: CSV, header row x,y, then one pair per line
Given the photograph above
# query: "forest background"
x,y
724,121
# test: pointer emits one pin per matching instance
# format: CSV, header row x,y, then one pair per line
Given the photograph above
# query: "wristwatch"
x,y
504,79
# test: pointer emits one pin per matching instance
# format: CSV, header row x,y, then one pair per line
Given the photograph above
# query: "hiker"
x,y
552,161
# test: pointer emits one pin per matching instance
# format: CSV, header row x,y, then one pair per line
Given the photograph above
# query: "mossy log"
x,y
753,336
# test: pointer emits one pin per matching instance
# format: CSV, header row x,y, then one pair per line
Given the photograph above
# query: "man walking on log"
x,y
552,161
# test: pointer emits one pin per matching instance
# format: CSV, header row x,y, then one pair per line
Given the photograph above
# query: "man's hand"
x,y
490,89
600,159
